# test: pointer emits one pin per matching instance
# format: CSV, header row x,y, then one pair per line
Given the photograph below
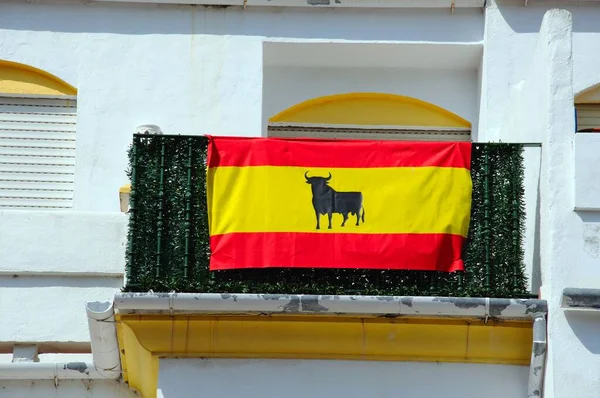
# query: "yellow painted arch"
x,y
590,95
23,79
375,109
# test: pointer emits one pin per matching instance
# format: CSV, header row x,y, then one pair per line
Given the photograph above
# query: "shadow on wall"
x,y
585,327
77,282
307,23
348,379
536,266
591,233
529,19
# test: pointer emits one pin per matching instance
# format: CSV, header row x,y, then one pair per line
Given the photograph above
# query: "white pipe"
x,y
105,353
538,358
103,338
53,371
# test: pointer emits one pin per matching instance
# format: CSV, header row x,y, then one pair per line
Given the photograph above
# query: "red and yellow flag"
x,y
338,203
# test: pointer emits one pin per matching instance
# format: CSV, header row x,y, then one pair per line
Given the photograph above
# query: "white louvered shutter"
x,y
290,130
588,116
37,153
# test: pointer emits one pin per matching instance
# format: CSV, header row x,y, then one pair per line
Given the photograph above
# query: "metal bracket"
x,y
25,353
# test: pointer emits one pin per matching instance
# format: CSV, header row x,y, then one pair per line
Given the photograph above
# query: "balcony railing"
x,y
168,246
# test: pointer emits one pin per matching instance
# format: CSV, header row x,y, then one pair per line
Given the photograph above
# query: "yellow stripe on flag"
x,y
278,199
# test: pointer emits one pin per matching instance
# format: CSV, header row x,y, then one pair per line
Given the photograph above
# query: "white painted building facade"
x,y
513,70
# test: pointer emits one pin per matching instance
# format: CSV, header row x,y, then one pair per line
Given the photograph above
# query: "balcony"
x,y
169,243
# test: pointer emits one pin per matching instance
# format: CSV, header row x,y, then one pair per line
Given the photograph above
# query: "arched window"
x,y
587,110
37,139
369,116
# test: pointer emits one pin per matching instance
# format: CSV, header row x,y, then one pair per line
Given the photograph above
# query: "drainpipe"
x,y
103,338
52,371
538,358
105,353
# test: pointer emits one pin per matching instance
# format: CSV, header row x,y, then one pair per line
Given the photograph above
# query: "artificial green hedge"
x,y
169,250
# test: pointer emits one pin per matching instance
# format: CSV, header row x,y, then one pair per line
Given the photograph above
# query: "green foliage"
x,y
493,255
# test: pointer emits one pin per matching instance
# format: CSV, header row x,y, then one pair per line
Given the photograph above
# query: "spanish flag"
x,y
338,203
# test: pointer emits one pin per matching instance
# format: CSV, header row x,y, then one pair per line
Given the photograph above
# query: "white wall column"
x,y
573,357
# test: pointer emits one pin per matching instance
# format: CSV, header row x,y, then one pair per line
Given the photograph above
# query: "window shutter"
x,y
288,130
37,153
588,116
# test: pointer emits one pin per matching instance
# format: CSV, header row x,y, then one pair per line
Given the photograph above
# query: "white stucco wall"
x,y
50,308
51,263
194,70
62,243
510,39
515,95
65,389
452,89
569,241
323,378
540,109
191,70
587,164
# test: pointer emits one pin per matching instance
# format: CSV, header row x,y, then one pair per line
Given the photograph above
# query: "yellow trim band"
x,y
144,339
374,109
23,79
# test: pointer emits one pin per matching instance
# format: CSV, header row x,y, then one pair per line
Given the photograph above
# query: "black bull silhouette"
x,y
327,200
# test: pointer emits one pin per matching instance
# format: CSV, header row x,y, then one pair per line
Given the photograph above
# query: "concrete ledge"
x,y
386,306
581,299
320,3
62,243
367,328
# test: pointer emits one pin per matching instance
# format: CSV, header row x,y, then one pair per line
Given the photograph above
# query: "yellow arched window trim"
x,y
590,95
20,79
373,109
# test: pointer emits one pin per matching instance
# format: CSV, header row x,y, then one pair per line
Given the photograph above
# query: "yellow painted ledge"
x,y
140,366
374,109
144,339
23,79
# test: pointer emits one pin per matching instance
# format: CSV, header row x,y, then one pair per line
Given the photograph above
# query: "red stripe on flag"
x,y
246,151
432,252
